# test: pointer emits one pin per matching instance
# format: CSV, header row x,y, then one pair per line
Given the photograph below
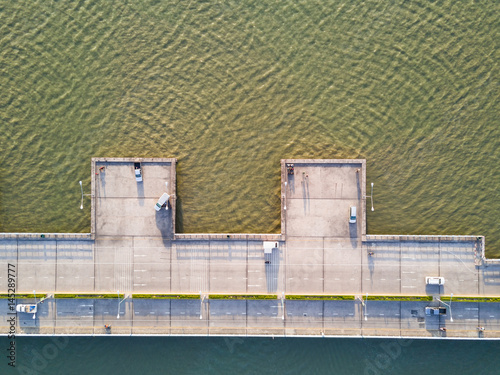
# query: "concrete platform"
x,y
132,248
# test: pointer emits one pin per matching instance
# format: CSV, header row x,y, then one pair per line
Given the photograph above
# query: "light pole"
x,y
81,188
449,305
371,196
365,305
201,305
34,294
119,303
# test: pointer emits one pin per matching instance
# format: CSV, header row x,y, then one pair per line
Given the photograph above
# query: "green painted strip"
x,y
243,296
165,296
89,296
262,297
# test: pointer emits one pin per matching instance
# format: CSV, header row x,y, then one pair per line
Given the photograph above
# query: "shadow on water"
x,y
358,185
179,216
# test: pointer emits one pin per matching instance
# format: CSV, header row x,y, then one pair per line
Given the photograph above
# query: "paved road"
x,y
256,317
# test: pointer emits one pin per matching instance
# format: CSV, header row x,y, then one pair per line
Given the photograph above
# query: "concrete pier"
x,y
134,249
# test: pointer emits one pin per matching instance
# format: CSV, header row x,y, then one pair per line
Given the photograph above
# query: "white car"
x,y
352,215
162,201
138,172
434,280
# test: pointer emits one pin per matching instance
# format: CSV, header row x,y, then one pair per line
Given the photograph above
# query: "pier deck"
x,y
132,248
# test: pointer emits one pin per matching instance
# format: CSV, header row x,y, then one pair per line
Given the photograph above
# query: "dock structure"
x,y
322,275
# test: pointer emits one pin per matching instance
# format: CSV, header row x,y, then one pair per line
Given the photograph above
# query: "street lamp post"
x,y
371,196
201,305
449,305
365,305
283,306
81,189
119,303
34,295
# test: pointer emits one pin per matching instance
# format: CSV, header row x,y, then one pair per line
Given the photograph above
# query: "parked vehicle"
x,y
138,172
435,310
352,215
162,201
434,280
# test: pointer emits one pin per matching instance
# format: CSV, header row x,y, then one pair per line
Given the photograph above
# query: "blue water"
x,y
233,355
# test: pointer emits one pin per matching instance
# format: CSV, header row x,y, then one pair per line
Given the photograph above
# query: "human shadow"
x,y
291,183
305,193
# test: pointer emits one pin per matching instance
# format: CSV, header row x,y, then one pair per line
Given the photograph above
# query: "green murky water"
x,y
231,87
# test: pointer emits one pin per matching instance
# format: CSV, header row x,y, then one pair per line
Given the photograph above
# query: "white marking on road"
x,y
139,270
337,279
404,286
